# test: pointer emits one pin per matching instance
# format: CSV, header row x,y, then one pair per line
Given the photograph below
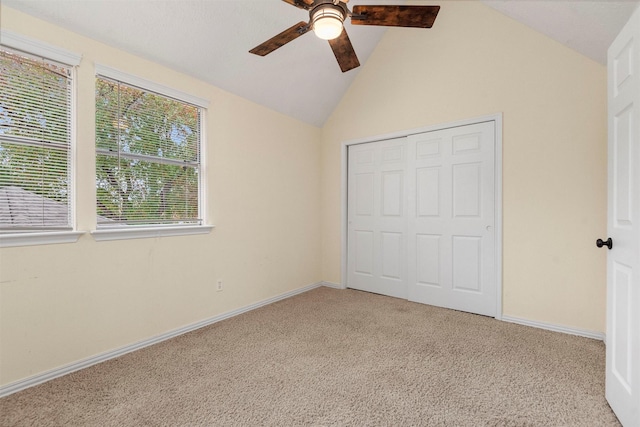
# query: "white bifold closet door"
x,y
421,218
451,228
377,212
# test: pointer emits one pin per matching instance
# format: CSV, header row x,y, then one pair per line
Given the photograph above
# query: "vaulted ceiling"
x,y
210,40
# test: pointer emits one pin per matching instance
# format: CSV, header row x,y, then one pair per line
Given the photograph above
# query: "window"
x,y
148,169
35,142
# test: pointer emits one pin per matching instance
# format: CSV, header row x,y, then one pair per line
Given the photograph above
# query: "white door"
x,y
376,259
623,260
451,252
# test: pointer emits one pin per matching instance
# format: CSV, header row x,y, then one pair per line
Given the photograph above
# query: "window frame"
x,y
150,231
32,47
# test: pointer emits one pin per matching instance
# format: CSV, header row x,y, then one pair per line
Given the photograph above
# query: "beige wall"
x,y
63,303
476,62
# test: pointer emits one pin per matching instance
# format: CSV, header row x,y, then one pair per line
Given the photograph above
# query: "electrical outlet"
x,y
219,286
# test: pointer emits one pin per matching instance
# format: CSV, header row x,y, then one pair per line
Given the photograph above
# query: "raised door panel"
x,y
467,190
392,252
428,191
428,254
363,244
623,68
622,158
364,194
393,154
466,143
621,339
467,262
392,193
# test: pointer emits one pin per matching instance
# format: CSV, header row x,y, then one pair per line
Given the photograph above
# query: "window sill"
x,y
44,238
149,232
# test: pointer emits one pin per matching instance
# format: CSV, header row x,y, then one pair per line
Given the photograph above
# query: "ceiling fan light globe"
x,y
327,23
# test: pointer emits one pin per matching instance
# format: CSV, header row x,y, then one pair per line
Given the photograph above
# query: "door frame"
x,y
497,119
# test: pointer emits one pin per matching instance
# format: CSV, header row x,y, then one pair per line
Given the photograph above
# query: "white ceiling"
x,y
584,25
210,40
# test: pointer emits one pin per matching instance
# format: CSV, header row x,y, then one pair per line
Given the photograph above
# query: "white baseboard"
x,y
332,285
556,328
85,363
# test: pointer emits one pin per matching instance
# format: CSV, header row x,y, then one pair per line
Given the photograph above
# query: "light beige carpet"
x,y
330,357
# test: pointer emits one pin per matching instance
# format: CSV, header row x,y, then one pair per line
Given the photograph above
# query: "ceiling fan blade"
x,y
281,39
343,50
395,16
302,4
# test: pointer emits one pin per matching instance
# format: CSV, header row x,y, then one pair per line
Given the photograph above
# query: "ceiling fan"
x,y
326,18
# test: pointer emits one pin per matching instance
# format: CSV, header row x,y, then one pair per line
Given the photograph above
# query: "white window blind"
x,y
35,143
147,157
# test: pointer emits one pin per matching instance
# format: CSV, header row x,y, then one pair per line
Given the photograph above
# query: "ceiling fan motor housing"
x,y
340,5
327,18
